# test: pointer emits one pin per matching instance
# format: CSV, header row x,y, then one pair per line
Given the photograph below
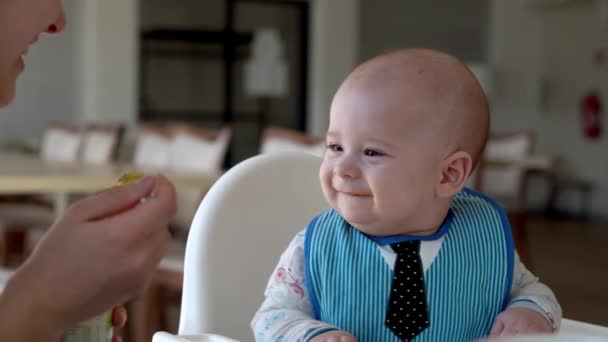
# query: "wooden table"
x,y
23,174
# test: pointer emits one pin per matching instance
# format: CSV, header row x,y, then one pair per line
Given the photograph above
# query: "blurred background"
x,y
234,78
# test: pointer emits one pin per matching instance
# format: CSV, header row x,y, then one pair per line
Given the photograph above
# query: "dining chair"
x,y
195,150
152,147
23,219
100,143
61,142
198,149
240,229
96,144
278,139
507,184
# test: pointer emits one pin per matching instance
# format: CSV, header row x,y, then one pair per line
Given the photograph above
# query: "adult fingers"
x,y
112,201
148,217
119,316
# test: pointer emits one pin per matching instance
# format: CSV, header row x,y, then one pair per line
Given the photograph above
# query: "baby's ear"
x,y
455,170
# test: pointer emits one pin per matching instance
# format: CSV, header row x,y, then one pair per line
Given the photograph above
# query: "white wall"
x,y
335,52
195,86
109,67
334,47
456,27
557,45
182,84
45,89
87,73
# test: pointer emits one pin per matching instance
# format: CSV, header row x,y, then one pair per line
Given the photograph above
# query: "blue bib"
x,y
467,284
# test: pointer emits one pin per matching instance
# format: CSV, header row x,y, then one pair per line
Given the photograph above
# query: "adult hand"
x,y
98,255
119,320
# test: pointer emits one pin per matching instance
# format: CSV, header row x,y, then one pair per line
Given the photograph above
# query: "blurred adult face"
x,y
21,24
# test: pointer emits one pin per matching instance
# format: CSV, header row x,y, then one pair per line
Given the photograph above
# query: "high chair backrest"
x,y
240,229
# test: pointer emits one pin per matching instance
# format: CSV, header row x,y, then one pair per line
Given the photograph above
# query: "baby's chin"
x,y
364,217
374,227
369,226
373,231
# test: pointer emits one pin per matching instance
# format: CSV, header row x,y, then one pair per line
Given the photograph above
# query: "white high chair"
x,y
571,331
240,229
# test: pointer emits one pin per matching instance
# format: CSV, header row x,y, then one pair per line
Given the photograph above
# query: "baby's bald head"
x,y
405,131
433,91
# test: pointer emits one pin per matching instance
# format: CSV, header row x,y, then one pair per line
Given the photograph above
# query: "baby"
x,y
406,253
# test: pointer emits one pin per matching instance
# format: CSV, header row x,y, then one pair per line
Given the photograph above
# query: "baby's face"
x,y
380,167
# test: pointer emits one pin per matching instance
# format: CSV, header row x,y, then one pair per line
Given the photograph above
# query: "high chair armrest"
x,y
167,337
571,327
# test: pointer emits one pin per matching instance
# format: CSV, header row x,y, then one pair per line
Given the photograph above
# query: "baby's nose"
x,y
347,168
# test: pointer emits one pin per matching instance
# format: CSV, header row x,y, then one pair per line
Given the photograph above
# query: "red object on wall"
x,y
591,111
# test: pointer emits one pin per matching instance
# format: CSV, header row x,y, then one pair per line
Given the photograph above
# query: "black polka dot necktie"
x,y
407,313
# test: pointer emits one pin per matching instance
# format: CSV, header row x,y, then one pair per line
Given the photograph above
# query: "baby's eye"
x,y
334,147
373,153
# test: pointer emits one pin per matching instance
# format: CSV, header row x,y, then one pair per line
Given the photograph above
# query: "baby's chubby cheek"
x,y
326,186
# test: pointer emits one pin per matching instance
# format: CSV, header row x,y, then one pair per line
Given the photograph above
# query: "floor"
x,y
571,257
